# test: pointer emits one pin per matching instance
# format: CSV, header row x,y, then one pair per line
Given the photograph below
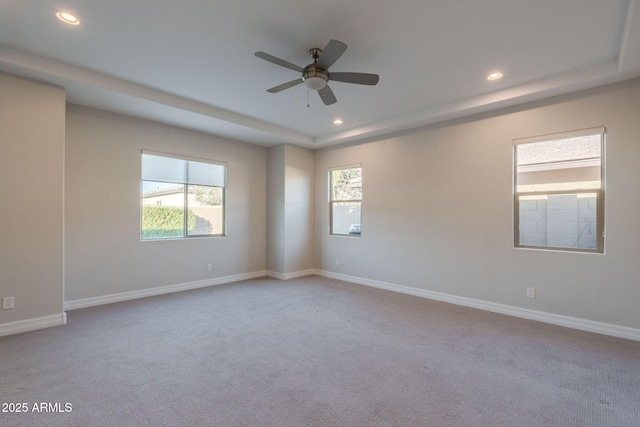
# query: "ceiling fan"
x,y
316,75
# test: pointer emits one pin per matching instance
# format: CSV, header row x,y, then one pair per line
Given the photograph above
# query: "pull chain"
x,y
308,97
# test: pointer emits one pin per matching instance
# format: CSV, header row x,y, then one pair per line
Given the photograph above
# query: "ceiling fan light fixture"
x,y
315,83
315,78
68,18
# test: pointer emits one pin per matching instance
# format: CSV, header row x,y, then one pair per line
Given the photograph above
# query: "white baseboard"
x,y
32,324
161,290
294,275
540,316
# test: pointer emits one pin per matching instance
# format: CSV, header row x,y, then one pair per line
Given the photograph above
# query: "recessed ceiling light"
x,y
494,76
337,122
68,18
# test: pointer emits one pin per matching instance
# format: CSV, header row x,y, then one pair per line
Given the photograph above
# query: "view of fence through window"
x,y
346,200
181,197
559,192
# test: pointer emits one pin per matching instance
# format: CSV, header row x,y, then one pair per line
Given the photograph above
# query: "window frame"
x,y
600,192
332,202
185,196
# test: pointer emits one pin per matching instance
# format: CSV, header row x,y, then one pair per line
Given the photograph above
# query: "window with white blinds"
x,y
182,196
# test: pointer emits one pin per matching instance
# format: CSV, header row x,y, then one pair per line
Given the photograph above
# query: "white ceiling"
x,y
191,63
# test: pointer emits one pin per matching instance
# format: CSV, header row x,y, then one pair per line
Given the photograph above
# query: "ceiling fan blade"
x,y
358,78
331,53
278,61
284,86
327,96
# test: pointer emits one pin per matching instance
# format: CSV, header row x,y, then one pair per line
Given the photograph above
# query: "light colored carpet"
x,y
315,352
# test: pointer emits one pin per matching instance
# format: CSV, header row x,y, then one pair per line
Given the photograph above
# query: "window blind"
x,y
179,170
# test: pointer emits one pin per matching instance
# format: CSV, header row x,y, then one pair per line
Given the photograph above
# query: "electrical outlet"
x,y
7,303
209,267
531,292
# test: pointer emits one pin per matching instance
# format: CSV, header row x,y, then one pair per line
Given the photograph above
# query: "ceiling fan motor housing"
x,y
314,77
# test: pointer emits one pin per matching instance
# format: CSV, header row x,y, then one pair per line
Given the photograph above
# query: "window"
x,y
559,191
182,197
345,200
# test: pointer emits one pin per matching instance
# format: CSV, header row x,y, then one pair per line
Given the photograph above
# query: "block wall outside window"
x,y
559,221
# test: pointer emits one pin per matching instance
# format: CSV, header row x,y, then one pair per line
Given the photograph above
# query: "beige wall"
x,y
31,212
298,209
104,254
290,223
275,210
437,211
